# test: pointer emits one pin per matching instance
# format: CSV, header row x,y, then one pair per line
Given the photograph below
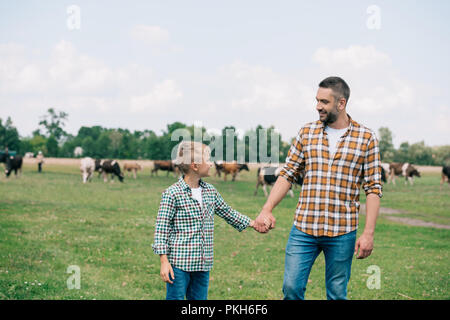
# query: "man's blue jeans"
x,y
192,285
302,250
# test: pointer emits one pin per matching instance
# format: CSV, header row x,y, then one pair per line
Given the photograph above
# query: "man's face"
x,y
327,105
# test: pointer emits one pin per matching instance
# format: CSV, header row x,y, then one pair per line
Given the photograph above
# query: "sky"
x,y
144,64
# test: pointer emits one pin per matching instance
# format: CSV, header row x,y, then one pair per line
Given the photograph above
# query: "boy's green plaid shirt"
x,y
185,232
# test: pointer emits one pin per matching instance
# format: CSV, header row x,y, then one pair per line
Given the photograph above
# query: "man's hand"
x,y
166,270
265,221
365,246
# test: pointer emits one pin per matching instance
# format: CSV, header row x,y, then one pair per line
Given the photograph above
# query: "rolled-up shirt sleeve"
x,y
372,168
234,218
163,225
294,160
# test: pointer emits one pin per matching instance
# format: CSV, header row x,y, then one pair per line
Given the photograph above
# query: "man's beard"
x,y
331,116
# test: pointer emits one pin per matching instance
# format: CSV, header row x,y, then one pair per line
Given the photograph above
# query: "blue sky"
x,y
143,64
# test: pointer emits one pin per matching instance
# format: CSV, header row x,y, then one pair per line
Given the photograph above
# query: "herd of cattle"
x,y
266,176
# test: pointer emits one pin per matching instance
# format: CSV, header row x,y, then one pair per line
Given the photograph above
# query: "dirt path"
x,y
391,214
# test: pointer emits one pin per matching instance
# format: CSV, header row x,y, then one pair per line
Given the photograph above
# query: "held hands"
x,y
264,222
254,226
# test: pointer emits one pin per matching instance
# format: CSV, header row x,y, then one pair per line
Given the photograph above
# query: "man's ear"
x,y
342,103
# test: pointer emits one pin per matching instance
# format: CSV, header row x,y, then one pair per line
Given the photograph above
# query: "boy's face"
x,y
202,169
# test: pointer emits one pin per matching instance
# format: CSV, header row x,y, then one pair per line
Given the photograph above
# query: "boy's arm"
x,y
163,224
236,219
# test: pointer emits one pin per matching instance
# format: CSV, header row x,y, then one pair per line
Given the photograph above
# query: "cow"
x,y
233,169
403,169
445,175
132,167
165,165
109,167
12,163
87,168
267,176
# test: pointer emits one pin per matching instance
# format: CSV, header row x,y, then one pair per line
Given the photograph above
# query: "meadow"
x,y
51,221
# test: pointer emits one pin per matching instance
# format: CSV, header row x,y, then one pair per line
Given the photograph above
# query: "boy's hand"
x,y
266,222
166,271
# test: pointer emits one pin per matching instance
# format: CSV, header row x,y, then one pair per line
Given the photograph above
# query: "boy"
x,y
185,225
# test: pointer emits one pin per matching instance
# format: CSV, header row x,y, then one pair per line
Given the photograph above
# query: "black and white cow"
x,y
108,167
267,176
406,170
12,163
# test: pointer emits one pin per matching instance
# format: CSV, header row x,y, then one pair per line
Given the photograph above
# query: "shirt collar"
x,y
349,128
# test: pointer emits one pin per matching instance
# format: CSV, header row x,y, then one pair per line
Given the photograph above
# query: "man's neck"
x,y
342,122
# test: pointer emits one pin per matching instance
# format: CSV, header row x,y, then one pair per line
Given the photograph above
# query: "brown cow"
x,y
132,167
403,169
165,165
233,169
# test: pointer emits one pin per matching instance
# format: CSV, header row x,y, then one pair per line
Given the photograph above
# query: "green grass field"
x,y
51,221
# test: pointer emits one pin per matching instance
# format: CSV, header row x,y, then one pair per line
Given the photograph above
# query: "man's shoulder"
x,y
361,129
310,127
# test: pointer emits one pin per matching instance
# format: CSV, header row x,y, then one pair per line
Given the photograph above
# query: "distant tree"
x,y
52,147
9,136
103,146
441,155
88,146
53,122
401,154
386,146
419,153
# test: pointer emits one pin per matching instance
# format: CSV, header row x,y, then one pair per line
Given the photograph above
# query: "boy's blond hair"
x,y
190,152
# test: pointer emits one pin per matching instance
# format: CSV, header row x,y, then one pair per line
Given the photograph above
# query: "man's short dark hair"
x,y
338,85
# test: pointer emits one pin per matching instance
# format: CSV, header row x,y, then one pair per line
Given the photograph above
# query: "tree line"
x,y
99,142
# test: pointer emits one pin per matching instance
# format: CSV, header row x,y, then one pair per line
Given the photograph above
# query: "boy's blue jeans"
x,y
192,285
302,250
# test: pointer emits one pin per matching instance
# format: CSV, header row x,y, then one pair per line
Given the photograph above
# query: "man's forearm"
x,y
372,209
277,193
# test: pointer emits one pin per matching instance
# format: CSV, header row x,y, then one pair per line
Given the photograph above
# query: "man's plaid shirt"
x,y
184,231
329,200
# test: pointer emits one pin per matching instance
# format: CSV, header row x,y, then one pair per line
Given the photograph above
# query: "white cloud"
x,y
161,95
354,56
79,84
152,35
77,73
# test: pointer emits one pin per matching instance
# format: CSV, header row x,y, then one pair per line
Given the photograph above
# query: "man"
x,y
40,161
338,155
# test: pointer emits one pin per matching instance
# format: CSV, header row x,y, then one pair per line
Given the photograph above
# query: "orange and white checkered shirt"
x,y
329,201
